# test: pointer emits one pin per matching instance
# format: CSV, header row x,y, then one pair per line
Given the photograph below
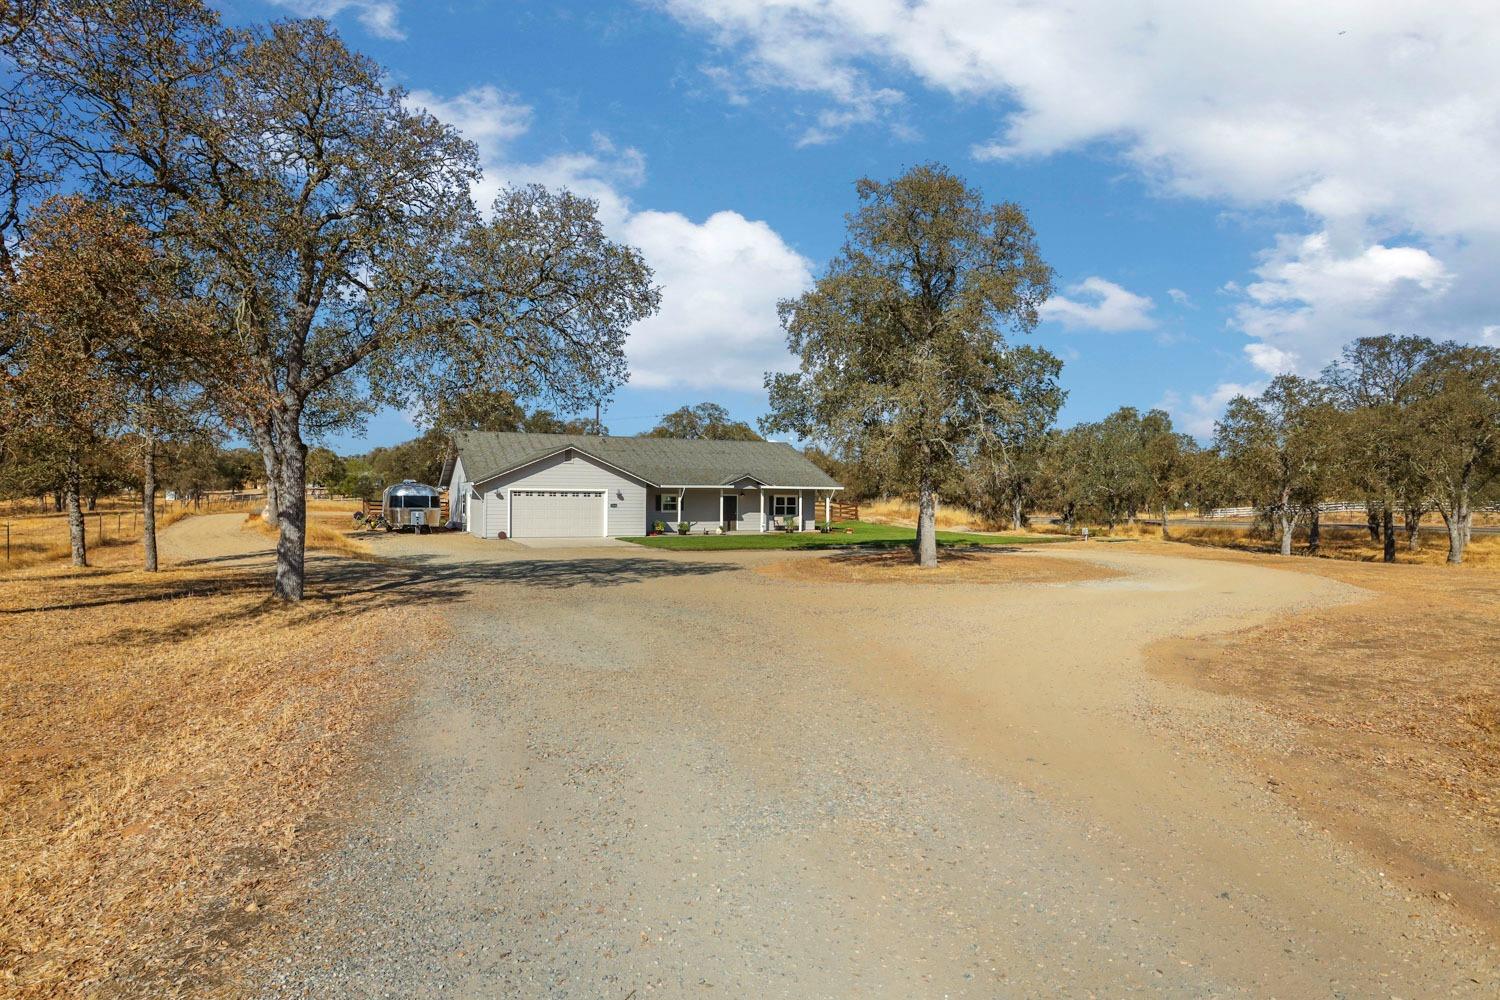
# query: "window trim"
x,y
674,498
778,509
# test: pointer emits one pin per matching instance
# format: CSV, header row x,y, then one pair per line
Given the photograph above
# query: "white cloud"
x,y
1197,413
720,281
1310,299
379,17
1098,304
721,278
1377,118
1179,297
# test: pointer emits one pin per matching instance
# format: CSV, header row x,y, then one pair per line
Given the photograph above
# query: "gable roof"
x,y
658,461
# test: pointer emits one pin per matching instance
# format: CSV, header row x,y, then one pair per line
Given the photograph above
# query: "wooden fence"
x,y
845,510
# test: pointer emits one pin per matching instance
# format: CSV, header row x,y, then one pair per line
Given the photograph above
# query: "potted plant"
x,y
659,528
683,527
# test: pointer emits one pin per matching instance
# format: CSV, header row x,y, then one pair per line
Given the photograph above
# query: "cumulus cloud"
x,y
720,282
1376,118
1097,304
378,17
1197,413
720,278
1310,299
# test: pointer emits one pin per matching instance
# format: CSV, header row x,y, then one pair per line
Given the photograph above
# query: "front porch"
x,y
744,506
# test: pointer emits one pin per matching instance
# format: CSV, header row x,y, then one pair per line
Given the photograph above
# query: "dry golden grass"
x,y
1041,524
1392,713
37,538
1342,543
904,512
955,566
172,743
44,538
328,532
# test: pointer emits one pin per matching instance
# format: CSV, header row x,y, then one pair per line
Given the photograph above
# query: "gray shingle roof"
x,y
659,461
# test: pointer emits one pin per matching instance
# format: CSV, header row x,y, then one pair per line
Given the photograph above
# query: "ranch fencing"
x,y
844,510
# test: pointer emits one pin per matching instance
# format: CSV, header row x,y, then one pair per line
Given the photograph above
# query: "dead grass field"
x,y
328,530
955,566
43,538
1387,712
172,745
904,512
1340,543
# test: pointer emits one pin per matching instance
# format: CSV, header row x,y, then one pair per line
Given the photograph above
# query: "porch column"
x,y
763,514
828,507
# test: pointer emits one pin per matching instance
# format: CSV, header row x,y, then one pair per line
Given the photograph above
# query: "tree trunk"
x,y
1454,525
264,433
927,525
1166,533
1017,512
148,504
1388,534
1413,516
1372,521
1288,521
93,501
1314,530
72,500
291,516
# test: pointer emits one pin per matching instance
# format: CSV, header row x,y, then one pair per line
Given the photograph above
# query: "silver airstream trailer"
x,y
410,504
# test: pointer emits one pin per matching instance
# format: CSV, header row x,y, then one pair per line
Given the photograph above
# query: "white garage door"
x,y
556,514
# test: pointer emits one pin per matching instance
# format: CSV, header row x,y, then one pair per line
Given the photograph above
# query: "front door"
x,y
731,513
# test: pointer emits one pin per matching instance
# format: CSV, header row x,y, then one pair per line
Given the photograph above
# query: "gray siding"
x,y
626,496
702,507
458,488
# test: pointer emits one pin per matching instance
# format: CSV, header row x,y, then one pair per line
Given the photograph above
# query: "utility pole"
x,y
598,421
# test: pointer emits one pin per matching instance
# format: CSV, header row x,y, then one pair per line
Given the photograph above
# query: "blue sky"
x,y
1224,196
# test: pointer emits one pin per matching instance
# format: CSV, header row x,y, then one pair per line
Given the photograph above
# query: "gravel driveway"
x,y
634,774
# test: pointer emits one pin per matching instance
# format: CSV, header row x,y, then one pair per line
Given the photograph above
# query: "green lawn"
x,y
861,533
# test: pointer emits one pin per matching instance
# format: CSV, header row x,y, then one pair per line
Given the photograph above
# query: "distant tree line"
x,y
1403,425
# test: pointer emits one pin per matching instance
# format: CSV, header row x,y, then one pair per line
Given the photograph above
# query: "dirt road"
x,y
638,774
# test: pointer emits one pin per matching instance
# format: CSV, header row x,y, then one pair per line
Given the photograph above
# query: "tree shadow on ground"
x,y
339,586
946,553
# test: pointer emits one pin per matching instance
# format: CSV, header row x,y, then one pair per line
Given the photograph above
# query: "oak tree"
x,y
705,421
330,222
1278,447
901,341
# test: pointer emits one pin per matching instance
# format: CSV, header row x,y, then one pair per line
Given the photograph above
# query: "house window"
x,y
666,503
784,505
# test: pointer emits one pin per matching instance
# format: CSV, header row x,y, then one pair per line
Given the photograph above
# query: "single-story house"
x,y
575,485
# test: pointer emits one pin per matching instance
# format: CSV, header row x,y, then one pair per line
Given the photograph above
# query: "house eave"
x,y
563,451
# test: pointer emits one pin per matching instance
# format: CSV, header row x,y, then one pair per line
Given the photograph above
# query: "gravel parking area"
x,y
636,774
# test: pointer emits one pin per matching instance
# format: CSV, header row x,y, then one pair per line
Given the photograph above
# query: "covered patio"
x,y
746,504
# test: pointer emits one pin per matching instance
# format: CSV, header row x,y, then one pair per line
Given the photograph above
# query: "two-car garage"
x,y
557,513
